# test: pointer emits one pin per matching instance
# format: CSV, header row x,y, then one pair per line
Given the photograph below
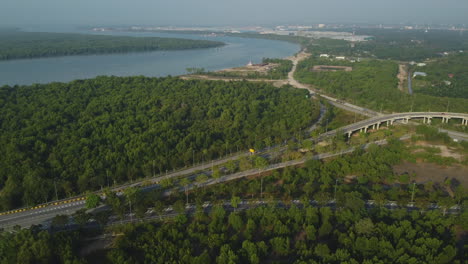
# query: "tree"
x,y
251,252
81,217
322,250
216,173
235,200
179,207
201,178
132,195
311,232
280,246
231,166
185,182
158,208
235,221
364,227
115,202
92,200
354,202
226,256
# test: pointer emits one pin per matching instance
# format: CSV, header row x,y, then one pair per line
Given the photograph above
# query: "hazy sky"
x,y
229,12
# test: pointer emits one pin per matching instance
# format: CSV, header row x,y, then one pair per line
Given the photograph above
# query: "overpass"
x,y
375,122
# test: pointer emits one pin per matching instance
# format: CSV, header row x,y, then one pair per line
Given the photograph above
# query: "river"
x,y
237,52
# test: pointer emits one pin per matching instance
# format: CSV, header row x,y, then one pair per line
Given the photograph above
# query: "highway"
x,y
375,122
335,102
43,213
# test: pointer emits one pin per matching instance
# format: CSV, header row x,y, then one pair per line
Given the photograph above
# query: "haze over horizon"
x,y
235,13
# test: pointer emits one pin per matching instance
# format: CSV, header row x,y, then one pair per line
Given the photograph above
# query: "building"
x,y
324,56
421,64
423,74
340,58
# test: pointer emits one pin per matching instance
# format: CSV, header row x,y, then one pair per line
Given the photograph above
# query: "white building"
x,y
423,74
340,58
324,56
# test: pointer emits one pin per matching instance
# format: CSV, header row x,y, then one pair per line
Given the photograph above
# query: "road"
x,y
336,102
375,122
45,214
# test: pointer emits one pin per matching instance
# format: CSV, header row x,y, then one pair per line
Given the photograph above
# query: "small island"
x,y
27,45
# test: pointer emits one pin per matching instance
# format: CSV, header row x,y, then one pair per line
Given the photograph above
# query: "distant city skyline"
x,y
234,13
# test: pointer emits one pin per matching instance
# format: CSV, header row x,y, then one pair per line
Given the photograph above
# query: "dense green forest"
x,y
261,235
396,44
290,233
33,246
310,235
20,45
411,44
372,83
438,82
88,134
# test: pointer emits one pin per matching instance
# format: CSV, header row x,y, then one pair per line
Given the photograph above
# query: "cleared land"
x,y
425,172
328,68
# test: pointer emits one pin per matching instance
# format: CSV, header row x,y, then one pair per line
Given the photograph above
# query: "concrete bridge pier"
x,y
365,129
464,122
349,134
388,122
378,125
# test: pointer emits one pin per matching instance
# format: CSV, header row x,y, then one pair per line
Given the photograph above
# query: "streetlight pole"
x,y
261,187
56,194
336,185
412,194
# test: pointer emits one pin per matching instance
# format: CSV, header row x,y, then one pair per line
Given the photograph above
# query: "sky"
x,y
230,12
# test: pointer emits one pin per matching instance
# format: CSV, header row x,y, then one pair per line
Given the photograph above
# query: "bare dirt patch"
x,y
402,76
328,68
444,150
263,69
425,172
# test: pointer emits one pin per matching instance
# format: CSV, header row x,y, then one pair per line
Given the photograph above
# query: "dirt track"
x,y
402,76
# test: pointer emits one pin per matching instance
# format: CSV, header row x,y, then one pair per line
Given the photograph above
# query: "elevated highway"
x,y
375,122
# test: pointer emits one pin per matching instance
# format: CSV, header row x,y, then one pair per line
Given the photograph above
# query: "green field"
x,y
373,84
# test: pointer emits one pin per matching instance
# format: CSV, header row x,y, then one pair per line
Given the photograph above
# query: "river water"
x,y
237,52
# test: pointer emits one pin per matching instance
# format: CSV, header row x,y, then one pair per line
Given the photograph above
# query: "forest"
x,y
88,134
373,83
348,232
395,44
294,235
27,45
446,77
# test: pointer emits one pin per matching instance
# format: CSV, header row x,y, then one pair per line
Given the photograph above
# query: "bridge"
x,y
377,121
